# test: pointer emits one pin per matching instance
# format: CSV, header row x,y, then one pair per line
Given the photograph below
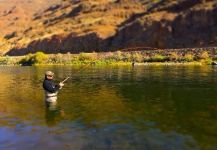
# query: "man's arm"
x,y
48,86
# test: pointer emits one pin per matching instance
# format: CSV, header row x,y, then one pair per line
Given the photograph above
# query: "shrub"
x,y
189,57
75,58
85,56
10,60
128,57
204,55
118,55
137,57
158,58
174,56
146,58
208,61
39,57
215,57
56,59
29,59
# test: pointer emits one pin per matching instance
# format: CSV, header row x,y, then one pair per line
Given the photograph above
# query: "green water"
x,y
110,107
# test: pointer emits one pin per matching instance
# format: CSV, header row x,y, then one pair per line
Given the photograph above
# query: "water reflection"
x,y
54,115
51,105
141,107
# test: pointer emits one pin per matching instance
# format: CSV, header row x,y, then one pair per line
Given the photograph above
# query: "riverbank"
x,y
139,57
104,63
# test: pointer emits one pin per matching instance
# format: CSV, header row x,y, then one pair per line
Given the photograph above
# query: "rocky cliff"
x,y
110,25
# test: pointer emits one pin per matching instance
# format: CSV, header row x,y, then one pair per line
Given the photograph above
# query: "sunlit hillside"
x,y
75,26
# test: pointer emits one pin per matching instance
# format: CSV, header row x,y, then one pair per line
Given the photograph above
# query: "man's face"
x,y
49,76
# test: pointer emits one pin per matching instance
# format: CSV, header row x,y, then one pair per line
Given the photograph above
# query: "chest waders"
x,y
50,97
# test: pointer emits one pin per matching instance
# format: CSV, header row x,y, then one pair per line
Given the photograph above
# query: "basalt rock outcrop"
x,y
111,25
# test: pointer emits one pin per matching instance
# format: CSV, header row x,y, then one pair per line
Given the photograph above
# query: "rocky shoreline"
x,y
137,56
212,51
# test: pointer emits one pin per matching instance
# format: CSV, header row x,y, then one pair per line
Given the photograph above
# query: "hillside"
x,y
106,25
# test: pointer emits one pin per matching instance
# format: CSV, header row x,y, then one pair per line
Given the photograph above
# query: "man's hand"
x,y
61,85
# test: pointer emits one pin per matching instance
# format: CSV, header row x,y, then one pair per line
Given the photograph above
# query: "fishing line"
x,y
81,69
126,49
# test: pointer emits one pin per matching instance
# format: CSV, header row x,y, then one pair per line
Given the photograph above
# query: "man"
x,y
51,89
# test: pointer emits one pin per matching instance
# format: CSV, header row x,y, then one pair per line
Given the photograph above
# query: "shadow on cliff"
x,y
180,6
196,29
64,44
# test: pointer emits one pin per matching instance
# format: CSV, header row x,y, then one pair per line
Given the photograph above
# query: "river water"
x,y
110,107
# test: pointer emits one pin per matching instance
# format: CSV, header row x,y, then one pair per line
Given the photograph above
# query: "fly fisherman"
x,y
51,90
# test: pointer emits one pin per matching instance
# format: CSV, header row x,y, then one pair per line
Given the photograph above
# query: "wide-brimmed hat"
x,y
49,73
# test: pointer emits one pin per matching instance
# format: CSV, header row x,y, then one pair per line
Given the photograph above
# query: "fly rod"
x,y
127,49
80,69
65,79
76,72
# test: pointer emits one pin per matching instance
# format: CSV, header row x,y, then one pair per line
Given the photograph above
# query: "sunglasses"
x,y
50,76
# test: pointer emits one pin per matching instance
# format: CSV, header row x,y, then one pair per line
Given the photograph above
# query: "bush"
x,y
39,57
75,58
215,57
174,56
158,58
189,57
128,57
146,58
137,57
85,56
27,60
30,59
204,55
118,55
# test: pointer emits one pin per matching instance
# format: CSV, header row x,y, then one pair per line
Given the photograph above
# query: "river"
x,y
110,107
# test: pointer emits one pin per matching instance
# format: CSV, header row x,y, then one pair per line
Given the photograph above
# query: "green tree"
x,y
39,57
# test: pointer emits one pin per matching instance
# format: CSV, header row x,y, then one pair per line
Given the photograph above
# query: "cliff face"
x,y
110,25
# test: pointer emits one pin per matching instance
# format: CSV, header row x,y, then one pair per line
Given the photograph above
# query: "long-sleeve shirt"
x,y
49,86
